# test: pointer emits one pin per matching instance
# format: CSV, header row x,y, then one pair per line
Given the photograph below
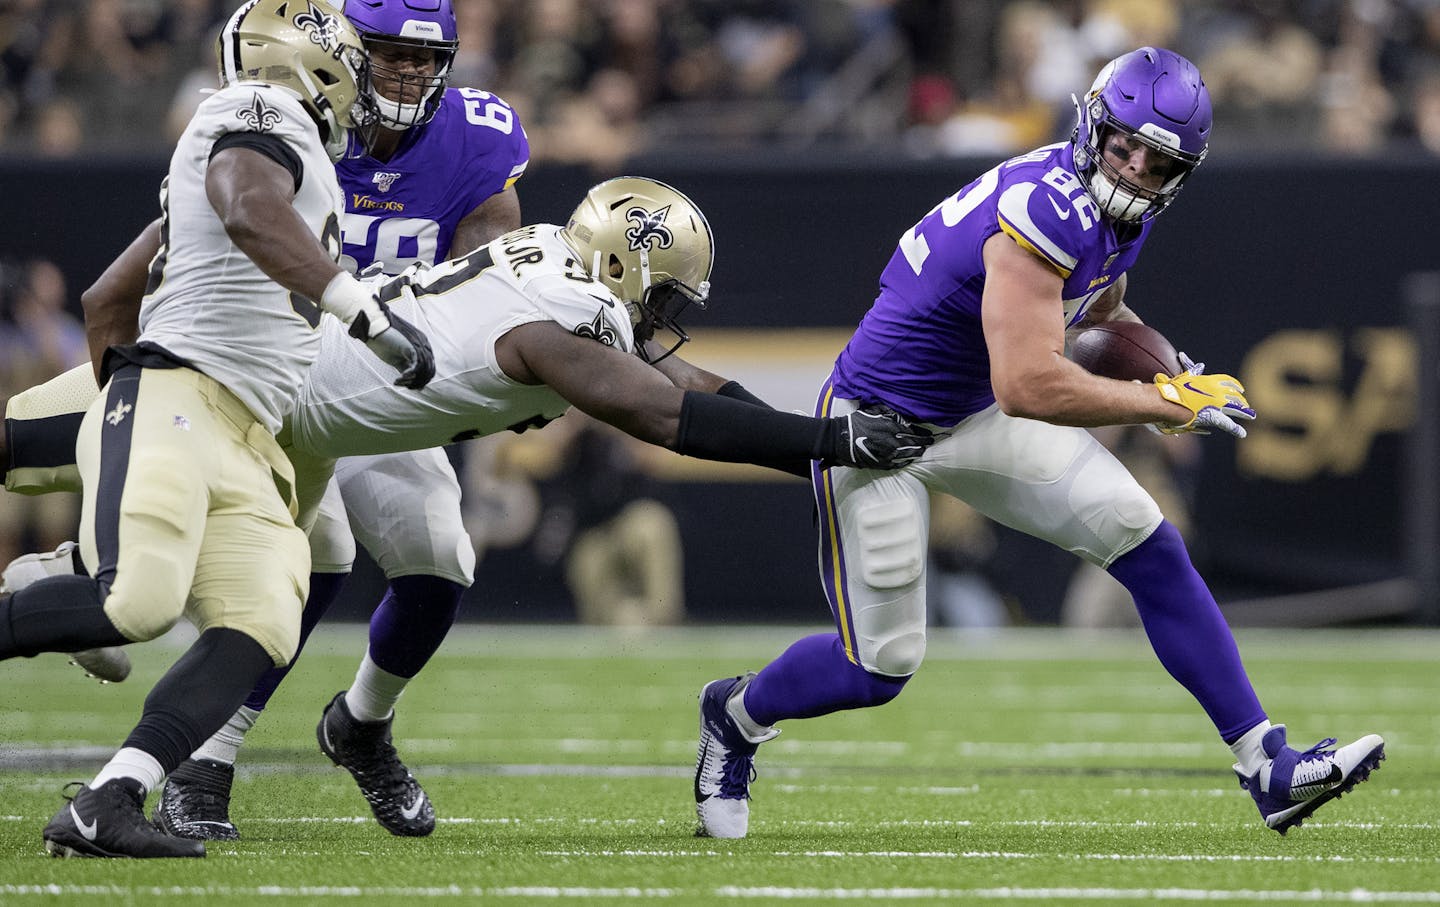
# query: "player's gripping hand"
x,y
1216,401
396,341
873,437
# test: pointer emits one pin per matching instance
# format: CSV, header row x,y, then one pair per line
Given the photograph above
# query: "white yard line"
x,y
579,892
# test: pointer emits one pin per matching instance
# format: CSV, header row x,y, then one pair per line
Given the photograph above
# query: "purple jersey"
x,y
405,210
920,348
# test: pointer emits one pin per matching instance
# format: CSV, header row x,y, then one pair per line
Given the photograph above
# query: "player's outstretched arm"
x,y
618,388
112,302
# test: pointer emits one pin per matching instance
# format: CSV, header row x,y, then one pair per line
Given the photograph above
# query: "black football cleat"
x,y
363,748
109,821
195,802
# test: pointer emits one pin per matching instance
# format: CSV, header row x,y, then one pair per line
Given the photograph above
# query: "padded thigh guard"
x,y
42,425
404,509
873,537
1053,482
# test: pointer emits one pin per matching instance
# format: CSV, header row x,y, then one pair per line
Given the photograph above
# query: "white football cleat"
x,y
107,665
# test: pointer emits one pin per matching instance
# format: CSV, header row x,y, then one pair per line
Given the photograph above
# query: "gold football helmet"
x,y
650,245
310,48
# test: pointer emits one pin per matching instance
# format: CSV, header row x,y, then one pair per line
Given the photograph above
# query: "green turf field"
x,y
1028,767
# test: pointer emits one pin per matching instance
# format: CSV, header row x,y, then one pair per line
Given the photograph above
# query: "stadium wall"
x,y
1286,273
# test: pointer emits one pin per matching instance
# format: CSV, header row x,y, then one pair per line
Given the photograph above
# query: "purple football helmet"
x,y
409,24
1154,96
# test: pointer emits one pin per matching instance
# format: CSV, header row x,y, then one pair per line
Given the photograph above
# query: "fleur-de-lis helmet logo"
x,y
323,28
259,117
649,232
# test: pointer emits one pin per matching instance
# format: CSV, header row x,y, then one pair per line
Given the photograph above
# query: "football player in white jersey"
x,y
189,506
547,317
438,180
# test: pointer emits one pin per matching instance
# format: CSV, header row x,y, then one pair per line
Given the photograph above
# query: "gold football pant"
x,y
189,509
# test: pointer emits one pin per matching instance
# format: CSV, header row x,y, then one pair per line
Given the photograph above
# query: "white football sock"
x,y
225,745
373,695
750,729
131,763
1248,752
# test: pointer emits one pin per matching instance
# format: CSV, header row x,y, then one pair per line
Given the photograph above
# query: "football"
x,y
1126,350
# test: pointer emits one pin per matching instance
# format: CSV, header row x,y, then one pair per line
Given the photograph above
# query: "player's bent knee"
x,y
892,546
147,612
898,656
1121,517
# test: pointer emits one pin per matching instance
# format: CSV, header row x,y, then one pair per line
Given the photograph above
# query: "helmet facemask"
x,y
426,91
1151,96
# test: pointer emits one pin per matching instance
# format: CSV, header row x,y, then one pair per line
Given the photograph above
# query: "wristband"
x,y
720,428
345,297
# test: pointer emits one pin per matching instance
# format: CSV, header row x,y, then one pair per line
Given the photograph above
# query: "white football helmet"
x,y
651,246
308,47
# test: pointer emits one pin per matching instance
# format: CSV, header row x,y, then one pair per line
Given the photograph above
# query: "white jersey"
x,y
207,302
349,404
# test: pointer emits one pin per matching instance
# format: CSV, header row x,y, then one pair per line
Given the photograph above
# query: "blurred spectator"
x,y
622,76
39,339
1264,77
619,546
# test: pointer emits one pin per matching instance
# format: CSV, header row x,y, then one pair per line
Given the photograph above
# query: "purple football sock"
x,y
813,677
412,621
324,589
1187,630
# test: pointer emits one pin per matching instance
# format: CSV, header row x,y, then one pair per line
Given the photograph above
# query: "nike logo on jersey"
x,y
413,810
1062,213
86,831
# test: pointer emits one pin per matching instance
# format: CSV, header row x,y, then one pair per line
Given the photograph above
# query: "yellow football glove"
x,y
1215,400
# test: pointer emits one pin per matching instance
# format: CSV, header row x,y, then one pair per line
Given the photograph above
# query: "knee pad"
x,y
892,543
899,655
1118,513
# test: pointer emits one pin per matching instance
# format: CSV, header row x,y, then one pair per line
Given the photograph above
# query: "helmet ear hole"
x,y
326,76
615,267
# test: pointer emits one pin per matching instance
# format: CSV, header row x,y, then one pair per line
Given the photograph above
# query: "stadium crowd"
x,y
598,81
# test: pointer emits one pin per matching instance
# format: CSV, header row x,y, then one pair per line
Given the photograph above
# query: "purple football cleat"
x,y
1293,784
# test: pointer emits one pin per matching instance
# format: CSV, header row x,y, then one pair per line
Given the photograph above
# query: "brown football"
x,y
1126,350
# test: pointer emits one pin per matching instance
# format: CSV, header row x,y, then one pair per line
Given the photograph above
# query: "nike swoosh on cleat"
x,y
86,831
699,768
413,809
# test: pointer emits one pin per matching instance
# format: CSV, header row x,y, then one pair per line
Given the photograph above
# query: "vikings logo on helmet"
x,y
259,117
597,330
649,232
323,28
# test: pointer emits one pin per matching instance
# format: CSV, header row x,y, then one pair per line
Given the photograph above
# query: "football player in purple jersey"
x,y
967,336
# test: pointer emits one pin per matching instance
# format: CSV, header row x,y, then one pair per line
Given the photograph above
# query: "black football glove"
x,y
398,343
873,437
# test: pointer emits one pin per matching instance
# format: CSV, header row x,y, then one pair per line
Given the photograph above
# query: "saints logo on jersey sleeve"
x,y
597,329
